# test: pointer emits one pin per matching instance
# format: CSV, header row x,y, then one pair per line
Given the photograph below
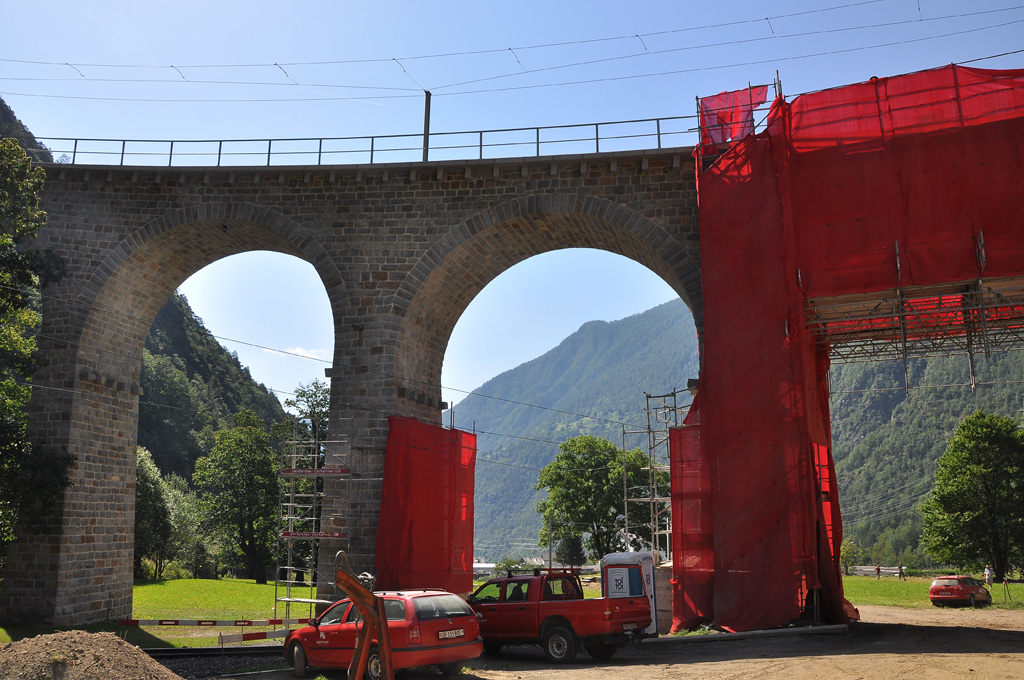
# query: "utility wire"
x,y
323,361
587,81
728,43
464,53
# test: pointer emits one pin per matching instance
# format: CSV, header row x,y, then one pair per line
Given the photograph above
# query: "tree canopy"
x,y
975,515
586,495
570,551
153,526
26,490
238,489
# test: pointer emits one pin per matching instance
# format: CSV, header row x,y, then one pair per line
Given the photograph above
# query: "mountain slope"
x,y
192,387
592,383
886,440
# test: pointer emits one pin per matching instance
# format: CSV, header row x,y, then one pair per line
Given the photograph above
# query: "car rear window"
x,y
394,610
440,607
945,582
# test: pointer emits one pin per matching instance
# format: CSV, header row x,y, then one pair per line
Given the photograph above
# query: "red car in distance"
x,y
427,628
958,590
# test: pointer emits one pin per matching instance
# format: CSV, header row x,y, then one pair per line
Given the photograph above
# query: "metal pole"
x,y
426,124
625,488
549,542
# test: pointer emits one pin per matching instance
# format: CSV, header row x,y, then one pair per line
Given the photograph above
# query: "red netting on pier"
x,y
887,185
425,530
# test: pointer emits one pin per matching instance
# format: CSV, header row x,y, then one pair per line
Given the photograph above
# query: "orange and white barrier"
x,y
211,623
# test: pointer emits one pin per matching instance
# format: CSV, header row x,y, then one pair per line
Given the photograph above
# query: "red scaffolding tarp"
x,y
425,530
905,181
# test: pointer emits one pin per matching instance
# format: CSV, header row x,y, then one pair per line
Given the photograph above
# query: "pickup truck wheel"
x,y
492,648
602,651
559,645
299,660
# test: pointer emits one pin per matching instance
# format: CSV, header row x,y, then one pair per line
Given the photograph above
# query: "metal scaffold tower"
x,y
664,411
307,464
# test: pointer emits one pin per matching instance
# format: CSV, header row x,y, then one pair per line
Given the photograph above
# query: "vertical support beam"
x,y
426,125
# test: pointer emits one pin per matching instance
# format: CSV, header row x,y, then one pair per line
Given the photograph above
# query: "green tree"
x,y
505,565
152,516
585,495
975,514
238,489
187,537
312,402
570,551
27,491
849,554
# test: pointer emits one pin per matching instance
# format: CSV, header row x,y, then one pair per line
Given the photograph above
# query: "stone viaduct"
x,y
401,250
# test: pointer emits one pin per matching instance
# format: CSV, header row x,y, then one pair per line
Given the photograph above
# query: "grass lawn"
x,y
239,599
913,592
225,599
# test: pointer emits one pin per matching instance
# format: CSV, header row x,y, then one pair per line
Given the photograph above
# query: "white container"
x,y
631,574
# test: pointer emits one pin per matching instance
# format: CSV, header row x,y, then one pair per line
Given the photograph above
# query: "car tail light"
x,y
414,635
608,614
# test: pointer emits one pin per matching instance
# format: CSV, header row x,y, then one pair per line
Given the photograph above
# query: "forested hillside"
x,y
192,387
10,126
592,383
886,441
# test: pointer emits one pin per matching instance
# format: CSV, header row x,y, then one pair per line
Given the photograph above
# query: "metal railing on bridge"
x,y
557,140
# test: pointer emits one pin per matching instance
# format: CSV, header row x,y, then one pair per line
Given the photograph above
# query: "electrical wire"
x,y
727,43
579,82
324,361
757,62
465,53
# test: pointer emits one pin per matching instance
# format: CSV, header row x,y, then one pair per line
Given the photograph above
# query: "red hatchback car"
x,y
427,627
958,590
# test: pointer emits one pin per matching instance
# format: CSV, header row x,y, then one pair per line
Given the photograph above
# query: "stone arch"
x,y
99,317
155,259
448,276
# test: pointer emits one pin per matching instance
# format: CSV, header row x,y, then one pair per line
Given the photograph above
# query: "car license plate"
x,y
447,634
629,626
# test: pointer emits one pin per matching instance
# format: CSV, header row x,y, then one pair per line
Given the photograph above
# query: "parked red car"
x,y
427,627
958,590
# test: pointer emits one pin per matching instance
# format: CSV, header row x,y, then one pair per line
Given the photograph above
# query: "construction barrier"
x,y
223,639
211,623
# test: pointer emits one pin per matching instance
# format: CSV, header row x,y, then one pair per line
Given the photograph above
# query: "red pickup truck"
x,y
547,607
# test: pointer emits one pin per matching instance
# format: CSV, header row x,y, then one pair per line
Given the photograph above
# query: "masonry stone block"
x,y
401,250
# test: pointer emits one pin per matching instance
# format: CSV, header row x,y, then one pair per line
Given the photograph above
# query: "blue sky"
x,y
227,70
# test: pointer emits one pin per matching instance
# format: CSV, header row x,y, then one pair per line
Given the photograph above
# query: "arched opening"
x,y
457,269
97,322
542,373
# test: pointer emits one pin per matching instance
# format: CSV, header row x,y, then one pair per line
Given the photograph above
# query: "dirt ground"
x,y
888,643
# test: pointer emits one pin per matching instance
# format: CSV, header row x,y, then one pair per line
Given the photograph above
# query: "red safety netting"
x,y
425,530
919,172
907,181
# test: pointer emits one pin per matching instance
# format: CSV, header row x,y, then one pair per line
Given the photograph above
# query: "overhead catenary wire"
x,y
563,66
464,53
323,361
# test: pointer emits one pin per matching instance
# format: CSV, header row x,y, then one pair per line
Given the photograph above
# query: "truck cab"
x,y
547,607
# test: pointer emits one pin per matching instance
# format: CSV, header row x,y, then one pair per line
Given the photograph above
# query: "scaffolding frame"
x,y
663,413
913,323
306,465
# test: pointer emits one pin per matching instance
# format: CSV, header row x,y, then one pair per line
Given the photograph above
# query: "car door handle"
x,y
523,608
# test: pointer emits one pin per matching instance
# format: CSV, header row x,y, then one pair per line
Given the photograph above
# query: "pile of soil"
x,y
76,655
